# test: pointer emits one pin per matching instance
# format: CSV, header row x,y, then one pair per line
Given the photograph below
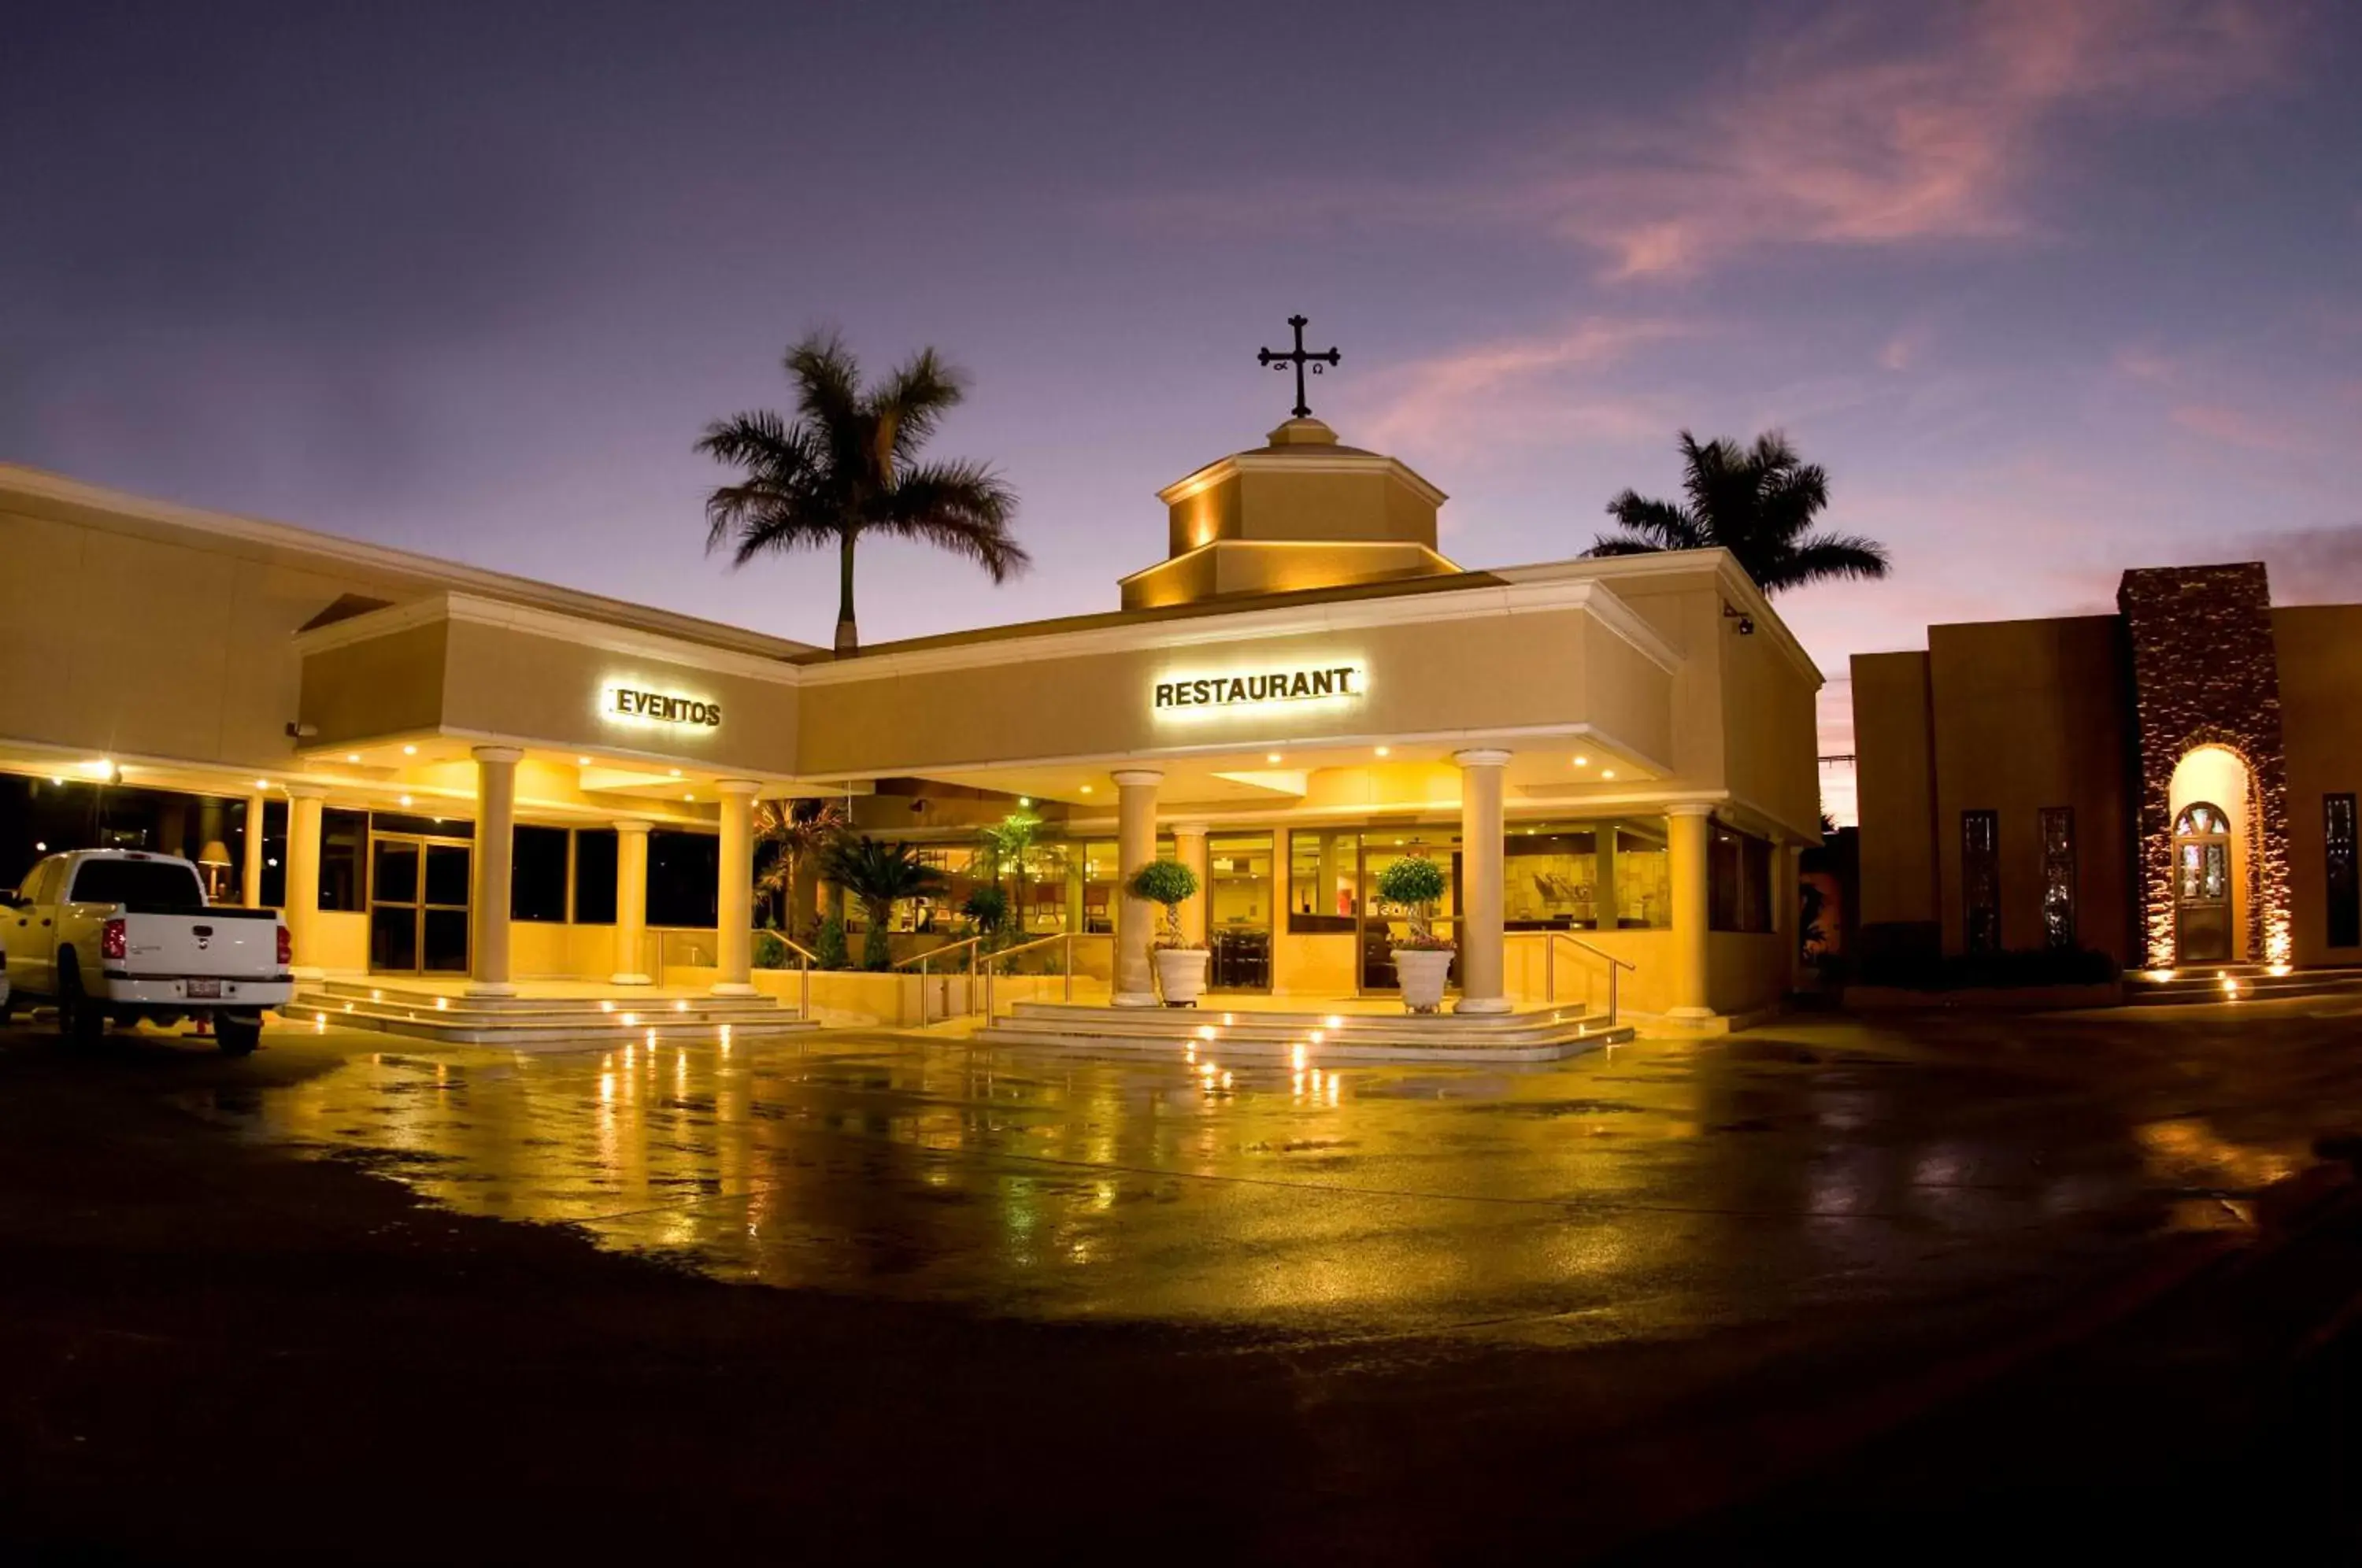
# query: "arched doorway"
x,y
2203,930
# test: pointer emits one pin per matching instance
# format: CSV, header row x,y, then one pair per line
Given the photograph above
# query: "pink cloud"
x,y
2235,427
1830,139
1543,386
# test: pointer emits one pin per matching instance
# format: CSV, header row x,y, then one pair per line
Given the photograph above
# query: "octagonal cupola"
x,y
1300,512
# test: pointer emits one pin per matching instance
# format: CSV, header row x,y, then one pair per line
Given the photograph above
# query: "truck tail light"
x,y
286,948
111,940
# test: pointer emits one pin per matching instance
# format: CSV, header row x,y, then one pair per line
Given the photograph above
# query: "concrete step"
x,y
2219,983
566,1022
621,998
1540,1035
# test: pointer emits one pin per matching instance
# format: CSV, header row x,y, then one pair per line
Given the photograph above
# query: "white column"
x,y
1190,848
250,883
491,894
735,958
304,876
631,900
1135,919
1686,829
1483,895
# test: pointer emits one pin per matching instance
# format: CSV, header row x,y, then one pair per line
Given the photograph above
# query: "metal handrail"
x,y
803,970
1066,937
1550,965
924,959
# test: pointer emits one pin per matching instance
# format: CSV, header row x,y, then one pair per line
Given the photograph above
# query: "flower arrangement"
x,y
1413,886
1171,884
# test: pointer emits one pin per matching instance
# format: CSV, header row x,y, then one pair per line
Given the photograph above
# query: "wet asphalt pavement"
x,y
1391,1314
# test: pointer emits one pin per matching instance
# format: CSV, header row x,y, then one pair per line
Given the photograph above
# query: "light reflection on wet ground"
x,y
1662,1188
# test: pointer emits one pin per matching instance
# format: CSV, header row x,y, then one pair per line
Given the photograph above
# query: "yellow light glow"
x,y
1385,751
2277,969
1583,762
262,783
352,757
1608,773
1271,757
1204,1032
1087,788
581,762
630,1021
377,996
405,800
442,1004
99,768
689,796
680,1007
675,773
410,751
1335,1020
1295,1056
1024,800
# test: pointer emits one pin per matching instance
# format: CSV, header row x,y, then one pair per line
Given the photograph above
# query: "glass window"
x,y
1239,909
1981,881
537,874
2344,893
2058,876
154,884
1554,877
344,840
274,855
1053,900
1322,885
1739,880
594,876
684,879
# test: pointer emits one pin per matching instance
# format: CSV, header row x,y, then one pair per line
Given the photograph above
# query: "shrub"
x,y
1413,885
987,908
1171,884
770,953
828,947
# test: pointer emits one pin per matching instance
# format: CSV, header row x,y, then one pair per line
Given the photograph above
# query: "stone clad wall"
x,y
2204,671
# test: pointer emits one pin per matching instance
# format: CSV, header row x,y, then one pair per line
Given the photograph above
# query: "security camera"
x,y
918,805
302,731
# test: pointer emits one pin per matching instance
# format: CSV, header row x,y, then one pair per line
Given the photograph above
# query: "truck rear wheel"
x,y
80,1019
239,1034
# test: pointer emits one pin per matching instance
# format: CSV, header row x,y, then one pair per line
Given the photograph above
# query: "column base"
x,y
1482,1005
491,988
733,988
629,980
1690,1015
1135,998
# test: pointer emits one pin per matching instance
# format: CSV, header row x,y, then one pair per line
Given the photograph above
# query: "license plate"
x,y
198,988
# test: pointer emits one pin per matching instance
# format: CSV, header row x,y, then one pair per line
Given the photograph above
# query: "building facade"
x,y
435,768
2173,784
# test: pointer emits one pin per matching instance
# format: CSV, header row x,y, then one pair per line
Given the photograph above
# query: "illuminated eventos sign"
x,y
636,706
1330,683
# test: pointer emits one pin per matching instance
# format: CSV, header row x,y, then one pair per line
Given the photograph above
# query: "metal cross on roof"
x,y
1299,359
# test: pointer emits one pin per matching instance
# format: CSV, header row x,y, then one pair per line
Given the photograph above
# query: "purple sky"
x,y
2052,287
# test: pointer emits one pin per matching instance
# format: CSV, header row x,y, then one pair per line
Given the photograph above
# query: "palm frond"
x,y
911,403
1658,523
962,507
1611,545
1825,556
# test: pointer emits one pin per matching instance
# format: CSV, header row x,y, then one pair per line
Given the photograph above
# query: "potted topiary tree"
x,y
1422,960
1180,963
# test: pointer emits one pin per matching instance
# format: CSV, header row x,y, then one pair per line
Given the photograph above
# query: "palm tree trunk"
x,y
848,635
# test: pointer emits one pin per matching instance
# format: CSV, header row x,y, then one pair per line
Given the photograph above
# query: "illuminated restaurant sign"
x,y
637,705
1260,689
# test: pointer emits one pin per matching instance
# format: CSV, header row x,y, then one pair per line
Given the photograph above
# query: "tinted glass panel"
x,y
684,878
595,876
446,949
2344,895
343,836
1322,885
447,873
537,879
394,939
1981,881
394,877
155,883
2058,877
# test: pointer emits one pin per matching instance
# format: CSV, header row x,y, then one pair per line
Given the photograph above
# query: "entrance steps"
x,y
557,1017
1537,1035
2198,984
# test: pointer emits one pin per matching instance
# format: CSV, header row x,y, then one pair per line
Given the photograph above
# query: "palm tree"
x,y
879,875
849,465
799,830
1004,843
1755,501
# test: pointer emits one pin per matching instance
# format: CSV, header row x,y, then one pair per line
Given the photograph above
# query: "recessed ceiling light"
x,y
1024,799
410,751
1583,762
689,796
352,757
1271,757
1608,773
1384,750
675,773
262,783
405,800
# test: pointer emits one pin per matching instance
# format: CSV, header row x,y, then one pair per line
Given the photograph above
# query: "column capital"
x,y
1482,757
1134,777
747,786
299,790
508,754
632,824
1690,809
1185,830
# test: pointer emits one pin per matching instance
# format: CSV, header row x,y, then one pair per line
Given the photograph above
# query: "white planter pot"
x,y
1422,971
1181,974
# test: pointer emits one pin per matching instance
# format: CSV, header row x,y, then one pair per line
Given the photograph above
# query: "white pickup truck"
x,y
124,934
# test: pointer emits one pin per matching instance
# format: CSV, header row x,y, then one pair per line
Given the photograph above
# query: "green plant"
x,y
1006,842
770,953
987,910
880,875
1755,501
1171,884
1413,885
849,465
798,831
828,945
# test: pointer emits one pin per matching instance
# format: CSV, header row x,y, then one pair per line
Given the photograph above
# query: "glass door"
x,y
418,905
1380,928
1238,911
